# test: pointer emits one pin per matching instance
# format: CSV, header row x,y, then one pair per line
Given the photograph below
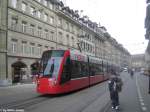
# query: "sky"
x,y
123,19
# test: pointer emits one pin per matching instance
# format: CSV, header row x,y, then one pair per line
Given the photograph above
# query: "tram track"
x,y
77,105
25,103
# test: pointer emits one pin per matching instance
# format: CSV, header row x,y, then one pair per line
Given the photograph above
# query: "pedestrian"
x,y
115,86
149,80
132,73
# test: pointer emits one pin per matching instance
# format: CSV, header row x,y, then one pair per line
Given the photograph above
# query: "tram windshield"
x,y
50,63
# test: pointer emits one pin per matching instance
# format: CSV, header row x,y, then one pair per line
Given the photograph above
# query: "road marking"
x,y
141,100
140,96
142,104
144,108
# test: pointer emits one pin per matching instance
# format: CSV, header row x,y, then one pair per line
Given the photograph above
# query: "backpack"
x,y
115,84
119,85
112,86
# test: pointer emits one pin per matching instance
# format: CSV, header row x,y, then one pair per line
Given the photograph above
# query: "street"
x,y
133,98
50,47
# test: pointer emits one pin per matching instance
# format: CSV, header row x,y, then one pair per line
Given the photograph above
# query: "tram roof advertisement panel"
x,y
78,56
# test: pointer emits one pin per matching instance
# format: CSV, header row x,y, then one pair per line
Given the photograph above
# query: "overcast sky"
x,y
123,19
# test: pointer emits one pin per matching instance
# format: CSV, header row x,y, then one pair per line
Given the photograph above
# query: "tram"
x,y
63,71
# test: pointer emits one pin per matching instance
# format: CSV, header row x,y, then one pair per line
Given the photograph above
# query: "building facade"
x,y
138,61
147,35
28,27
116,53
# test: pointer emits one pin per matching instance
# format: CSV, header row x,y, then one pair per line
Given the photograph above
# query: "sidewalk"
x,y
17,92
15,88
5,83
16,85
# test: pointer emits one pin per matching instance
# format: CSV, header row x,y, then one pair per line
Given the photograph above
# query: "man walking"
x,y
149,80
115,85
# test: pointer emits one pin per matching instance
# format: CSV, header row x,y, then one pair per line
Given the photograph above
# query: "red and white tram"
x,y
63,71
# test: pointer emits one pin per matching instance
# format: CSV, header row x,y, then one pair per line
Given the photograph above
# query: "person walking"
x,y
132,73
115,86
149,80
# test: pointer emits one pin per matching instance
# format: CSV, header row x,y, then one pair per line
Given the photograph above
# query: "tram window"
x,y
47,55
101,69
74,69
79,69
92,69
107,68
97,71
84,69
44,60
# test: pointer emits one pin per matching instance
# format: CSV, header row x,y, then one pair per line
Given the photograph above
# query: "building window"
x,y
39,0
52,35
90,48
84,46
50,5
46,34
67,36
39,14
14,23
45,17
39,50
14,3
32,49
87,47
73,41
32,11
60,22
14,45
45,2
24,7
60,36
32,29
39,31
72,29
67,26
24,47
51,20
24,27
